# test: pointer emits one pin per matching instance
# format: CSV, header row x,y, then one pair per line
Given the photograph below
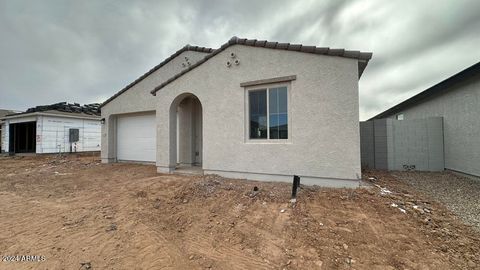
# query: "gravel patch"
x,y
459,193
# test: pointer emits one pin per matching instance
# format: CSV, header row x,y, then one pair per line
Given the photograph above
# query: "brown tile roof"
x,y
164,62
363,57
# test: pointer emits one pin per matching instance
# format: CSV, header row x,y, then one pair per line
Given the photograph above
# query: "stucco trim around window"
x,y
268,81
267,140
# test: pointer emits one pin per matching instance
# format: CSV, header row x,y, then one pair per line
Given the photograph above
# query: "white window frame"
x,y
247,114
400,115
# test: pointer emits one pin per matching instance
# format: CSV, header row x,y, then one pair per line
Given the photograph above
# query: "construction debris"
x,y
91,109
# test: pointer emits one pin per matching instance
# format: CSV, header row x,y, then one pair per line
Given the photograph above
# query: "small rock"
x,y
141,194
156,204
85,266
289,262
444,248
282,211
185,201
426,221
345,246
418,209
112,227
191,257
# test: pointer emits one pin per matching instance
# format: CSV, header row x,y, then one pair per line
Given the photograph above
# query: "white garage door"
x,y
136,137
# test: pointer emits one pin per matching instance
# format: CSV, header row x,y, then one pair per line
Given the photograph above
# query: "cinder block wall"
x,y
367,147
389,144
380,144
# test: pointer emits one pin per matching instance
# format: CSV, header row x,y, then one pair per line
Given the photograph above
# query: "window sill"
x,y
268,141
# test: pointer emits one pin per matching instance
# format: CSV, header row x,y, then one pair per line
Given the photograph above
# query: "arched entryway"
x,y
186,124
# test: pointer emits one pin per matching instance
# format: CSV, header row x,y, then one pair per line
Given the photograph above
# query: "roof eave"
x,y
28,114
363,57
157,67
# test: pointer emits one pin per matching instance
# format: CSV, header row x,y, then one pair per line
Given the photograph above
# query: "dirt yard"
x,y
80,214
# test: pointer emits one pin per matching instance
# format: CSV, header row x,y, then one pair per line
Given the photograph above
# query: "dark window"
x,y
74,135
278,113
268,116
258,114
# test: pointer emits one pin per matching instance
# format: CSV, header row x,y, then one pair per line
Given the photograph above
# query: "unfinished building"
x,y
57,128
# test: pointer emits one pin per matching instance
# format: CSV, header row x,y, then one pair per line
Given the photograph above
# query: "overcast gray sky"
x,y
85,51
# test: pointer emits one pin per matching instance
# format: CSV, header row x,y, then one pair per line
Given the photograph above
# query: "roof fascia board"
x,y
50,114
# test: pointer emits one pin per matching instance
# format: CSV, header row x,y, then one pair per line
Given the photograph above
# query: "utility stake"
x,y
296,184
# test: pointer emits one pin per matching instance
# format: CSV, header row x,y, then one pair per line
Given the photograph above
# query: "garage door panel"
x,y
136,138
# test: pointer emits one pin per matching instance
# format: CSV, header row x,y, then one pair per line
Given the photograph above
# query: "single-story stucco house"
x,y
56,128
251,109
456,100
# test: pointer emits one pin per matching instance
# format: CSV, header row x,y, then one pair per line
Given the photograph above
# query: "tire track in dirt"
x,y
227,255
196,222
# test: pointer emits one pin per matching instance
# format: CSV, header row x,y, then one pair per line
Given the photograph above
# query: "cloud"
x,y
85,51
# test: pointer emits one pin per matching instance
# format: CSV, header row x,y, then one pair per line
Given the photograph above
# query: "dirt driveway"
x,y
80,214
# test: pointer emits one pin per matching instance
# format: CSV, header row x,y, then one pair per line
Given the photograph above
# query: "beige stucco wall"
x,y
460,110
324,144
189,137
138,99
